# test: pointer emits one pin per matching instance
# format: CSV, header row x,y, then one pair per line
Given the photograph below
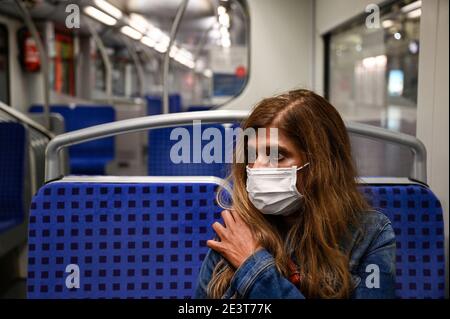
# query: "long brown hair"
x,y
331,198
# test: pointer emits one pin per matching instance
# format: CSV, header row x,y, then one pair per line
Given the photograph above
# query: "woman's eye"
x,y
280,157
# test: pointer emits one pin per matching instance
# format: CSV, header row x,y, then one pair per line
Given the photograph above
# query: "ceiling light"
x,y
173,51
224,32
208,73
148,41
226,42
99,15
132,33
155,33
161,47
413,47
139,22
414,14
381,60
412,6
109,8
369,62
224,19
221,10
186,54
387,24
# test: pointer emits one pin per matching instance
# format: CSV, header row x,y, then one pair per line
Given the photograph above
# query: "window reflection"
x,y
373,72
209,57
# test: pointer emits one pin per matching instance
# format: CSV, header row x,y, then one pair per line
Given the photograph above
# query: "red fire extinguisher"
x,y
32,61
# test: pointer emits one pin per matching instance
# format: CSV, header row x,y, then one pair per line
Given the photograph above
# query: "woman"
x,y
301,229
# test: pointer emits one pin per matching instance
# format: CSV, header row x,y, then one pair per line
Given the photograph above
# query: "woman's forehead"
x,y
273,136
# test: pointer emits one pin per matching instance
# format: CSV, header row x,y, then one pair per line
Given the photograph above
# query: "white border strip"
x,y
209,179
145,180
388,181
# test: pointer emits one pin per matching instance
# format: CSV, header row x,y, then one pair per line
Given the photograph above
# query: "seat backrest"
x,y
13,152
154,104
82,116
142,239
175,103
195,108
417,219
87,116
147,239
160,162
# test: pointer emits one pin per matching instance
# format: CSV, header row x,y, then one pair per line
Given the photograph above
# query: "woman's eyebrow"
x,y
281,149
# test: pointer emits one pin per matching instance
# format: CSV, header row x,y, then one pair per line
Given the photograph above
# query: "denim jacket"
x,y
372,266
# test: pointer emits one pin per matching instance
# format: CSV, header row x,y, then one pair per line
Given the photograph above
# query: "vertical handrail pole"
x,y
108,67
201,44
43,57
202,41
137,63
173,33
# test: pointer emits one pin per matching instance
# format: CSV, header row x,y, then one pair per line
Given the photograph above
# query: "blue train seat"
x,y
417,218
129,240
175,103
160,163
154,104
13,146
147,239
88,158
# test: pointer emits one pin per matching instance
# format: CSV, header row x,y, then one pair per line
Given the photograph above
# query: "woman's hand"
x,y
237,241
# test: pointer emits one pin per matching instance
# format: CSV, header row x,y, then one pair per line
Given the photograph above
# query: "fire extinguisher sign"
x,y
32,61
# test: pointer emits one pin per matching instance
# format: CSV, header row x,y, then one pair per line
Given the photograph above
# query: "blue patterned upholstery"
x,y
88,158
12,174
148,240
417,219
160,163
129,240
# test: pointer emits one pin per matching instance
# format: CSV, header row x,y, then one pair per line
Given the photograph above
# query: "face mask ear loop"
x,y
303,166
294,172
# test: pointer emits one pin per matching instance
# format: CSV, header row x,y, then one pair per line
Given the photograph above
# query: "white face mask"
x,y
273,190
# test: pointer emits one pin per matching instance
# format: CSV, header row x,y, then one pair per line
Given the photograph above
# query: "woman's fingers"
x,y
227,218
237,218
219,229
215,245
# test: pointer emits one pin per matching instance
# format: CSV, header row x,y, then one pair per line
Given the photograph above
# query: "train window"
x,y
99,71
124,73
372,72
120,65
4,65
209,57
219,41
